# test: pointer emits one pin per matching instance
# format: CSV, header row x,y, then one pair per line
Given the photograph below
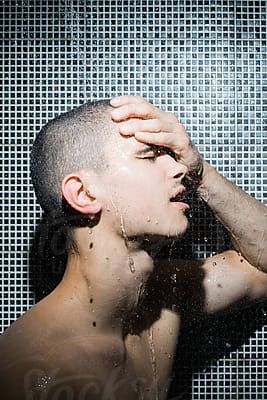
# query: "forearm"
x,y
243,216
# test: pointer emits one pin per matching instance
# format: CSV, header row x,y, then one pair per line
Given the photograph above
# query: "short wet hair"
x,y
70,142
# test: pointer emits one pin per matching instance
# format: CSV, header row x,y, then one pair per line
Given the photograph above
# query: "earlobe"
x,y
78,196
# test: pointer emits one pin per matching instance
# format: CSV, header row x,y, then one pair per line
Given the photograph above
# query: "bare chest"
x,y
150,356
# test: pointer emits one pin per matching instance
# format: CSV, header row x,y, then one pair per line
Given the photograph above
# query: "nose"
x,y
177,169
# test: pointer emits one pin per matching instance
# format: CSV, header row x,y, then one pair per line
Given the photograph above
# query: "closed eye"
x,y
152,152
151,157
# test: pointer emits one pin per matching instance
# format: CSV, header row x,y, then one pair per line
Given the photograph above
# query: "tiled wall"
x,y
205,61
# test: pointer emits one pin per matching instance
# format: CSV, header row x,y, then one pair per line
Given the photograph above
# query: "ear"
x,y
77,194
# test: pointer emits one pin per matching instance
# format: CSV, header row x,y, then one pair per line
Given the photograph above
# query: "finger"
x,y
122,100
165,139
135,110
145,125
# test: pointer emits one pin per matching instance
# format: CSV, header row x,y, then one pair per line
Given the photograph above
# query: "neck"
x,y
106,278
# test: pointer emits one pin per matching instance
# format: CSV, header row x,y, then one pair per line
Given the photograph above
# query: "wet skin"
x,y
110,329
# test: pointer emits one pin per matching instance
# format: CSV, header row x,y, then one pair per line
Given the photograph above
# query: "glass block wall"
x,y
205,60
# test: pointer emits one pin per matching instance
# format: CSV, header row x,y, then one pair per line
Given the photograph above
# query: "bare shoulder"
x,y
73,364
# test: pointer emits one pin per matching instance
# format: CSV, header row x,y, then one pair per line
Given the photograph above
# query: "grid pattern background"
x,y
205,60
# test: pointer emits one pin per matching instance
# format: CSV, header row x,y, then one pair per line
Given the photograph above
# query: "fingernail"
x,y
114,101
124,129
115,114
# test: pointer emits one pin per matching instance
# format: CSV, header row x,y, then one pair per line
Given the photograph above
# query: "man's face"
x,y
138,186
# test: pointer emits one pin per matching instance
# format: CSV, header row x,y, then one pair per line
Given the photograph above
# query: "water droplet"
x,y
90,231
108,209
174,278
205,239
42,383
131,265
156,222
214,263
227,345
148,219
223,258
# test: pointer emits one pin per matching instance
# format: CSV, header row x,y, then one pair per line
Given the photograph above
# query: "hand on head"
x,y
148,124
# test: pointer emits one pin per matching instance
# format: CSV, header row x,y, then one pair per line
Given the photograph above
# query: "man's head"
x,y
70,142
81,160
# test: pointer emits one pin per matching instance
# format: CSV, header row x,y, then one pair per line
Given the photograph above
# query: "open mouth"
x,y
180,199
177,197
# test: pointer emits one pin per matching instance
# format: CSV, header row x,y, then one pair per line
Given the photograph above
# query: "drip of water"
x,y
123,232
153,361
124,235
171,250
131,265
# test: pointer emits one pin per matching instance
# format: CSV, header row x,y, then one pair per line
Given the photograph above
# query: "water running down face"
x,y
143,184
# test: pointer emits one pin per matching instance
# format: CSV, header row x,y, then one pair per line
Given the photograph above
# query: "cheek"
x,y
136,189
129,192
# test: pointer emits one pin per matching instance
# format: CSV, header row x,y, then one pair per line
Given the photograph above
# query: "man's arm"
x,y
243,216
196,288
220,283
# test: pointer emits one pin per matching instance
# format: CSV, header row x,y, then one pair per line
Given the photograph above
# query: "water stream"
x,y
153,361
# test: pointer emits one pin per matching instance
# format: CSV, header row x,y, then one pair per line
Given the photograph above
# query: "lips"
x,y
179,195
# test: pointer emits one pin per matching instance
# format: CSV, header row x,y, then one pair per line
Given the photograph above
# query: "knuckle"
x,y
131,109
172,117
140,98
157,125
136,126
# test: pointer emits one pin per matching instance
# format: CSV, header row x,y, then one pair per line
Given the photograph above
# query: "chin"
x,y
180,230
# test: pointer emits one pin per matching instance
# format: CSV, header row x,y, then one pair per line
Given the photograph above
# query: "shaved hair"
x,y
70,142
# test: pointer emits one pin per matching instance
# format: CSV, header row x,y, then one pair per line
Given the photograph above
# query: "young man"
x,y
115,174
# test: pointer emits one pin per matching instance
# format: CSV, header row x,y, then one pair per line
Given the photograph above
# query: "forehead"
x,y
123,145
